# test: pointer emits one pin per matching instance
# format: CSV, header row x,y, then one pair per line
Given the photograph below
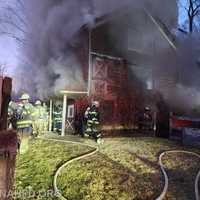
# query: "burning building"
x,y
109,72
109,48
110,86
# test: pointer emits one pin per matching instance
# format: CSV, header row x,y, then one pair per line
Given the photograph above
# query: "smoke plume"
x,y
177,74
52,39
50,59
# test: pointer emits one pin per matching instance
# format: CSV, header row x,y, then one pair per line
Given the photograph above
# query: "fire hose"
x,y
55,186
96,149
164,192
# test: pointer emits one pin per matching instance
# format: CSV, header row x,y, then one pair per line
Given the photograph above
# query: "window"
x,y
70,111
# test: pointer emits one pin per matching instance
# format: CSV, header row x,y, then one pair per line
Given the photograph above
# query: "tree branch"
x,y
10,22
196,10
181,5
17,15
11,35
182,31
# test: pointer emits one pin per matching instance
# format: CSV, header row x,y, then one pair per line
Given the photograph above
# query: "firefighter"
x,y
147,121
12,120
12,115
148,118
46,117
57,119
92,117
38,119
24,110
84,121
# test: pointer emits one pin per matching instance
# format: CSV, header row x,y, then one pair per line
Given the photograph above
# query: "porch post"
x,y
50,114
64,114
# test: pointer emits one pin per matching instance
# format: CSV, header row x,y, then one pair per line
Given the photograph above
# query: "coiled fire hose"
x,y
96,149
164,192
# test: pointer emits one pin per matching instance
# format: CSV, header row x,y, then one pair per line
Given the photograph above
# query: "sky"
x,y
8,54
8,49
182,11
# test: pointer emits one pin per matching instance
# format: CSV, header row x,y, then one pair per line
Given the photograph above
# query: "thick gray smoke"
x,y
52,38
50,60
173,73
143,35
178,78
53,25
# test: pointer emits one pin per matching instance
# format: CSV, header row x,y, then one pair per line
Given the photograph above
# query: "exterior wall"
x,y
109,77
141,42
110,87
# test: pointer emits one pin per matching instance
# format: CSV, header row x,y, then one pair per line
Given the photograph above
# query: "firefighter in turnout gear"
x,y
57,118
24,110
38,119
12,115
92,117
46,117
146,120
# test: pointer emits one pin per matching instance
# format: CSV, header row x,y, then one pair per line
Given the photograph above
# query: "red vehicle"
x,y
178,123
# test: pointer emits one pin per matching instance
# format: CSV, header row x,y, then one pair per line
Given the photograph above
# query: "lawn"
x,y
182,170
124,169
35,168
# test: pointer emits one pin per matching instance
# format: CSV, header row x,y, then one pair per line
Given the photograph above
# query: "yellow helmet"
x,y
38,102
10,103
24,96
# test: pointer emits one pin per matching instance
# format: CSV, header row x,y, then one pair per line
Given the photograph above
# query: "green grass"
x,y
124,169
182,170
36,167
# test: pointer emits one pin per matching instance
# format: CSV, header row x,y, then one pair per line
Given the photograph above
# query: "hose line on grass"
x,y
164,192
96,149
55,186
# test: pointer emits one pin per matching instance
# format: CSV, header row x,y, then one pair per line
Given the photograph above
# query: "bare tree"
x,y
13,20
192,11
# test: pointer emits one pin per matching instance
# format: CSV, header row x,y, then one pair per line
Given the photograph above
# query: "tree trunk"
x,y
191,24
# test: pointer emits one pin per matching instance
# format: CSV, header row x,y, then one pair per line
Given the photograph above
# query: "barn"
x,y
109,86
110,68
